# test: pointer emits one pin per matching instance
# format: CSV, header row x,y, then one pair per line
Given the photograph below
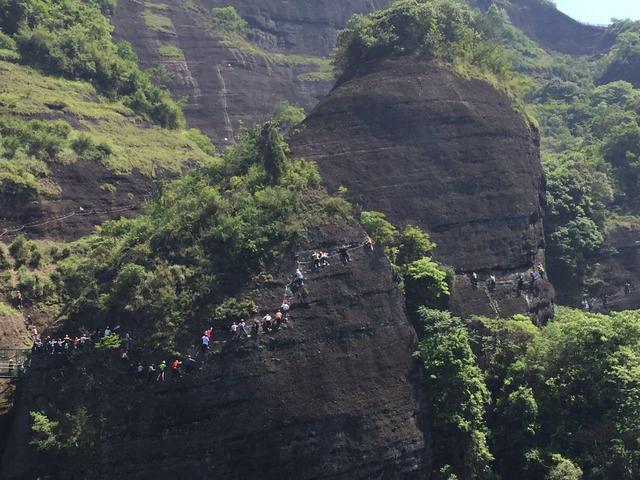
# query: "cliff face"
x,y
333,396
551,29
410,139
226,84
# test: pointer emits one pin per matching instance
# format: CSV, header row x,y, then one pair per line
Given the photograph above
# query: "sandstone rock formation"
x,y
541,21
411,139
229,86
333,396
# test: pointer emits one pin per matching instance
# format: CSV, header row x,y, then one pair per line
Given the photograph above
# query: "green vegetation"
x,y
109,132
73,39
545,403
109,342
158,22
197,243
233,31
171,52
73,434
440,30
227,19
425,282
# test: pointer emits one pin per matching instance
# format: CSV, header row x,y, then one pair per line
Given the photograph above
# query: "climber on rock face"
x,y
367,243
255,328
299,278
205,344
316,259
520,287
175,368
267,323
324,256
492,282
344,254
161,368
242,329
285,311
541,270
151,372
279,318
474,280
189,364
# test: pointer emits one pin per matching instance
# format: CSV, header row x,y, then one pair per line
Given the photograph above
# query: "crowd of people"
x,y
522,284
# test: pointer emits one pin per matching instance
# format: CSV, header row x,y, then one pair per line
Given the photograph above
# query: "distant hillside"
x,y
541,21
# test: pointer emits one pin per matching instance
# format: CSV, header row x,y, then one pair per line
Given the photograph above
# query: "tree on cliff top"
x,y
438,30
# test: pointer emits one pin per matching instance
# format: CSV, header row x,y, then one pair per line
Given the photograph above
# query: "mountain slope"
x,y
409,138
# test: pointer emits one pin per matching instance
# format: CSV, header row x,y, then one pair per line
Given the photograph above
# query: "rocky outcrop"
x,y
411,139
228,86
541,21
332,396
82,203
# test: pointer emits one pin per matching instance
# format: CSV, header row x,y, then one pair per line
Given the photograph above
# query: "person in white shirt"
x,y
205,344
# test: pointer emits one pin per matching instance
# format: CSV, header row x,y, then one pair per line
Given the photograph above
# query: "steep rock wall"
x,y
226,87
428,148
550,28
333,396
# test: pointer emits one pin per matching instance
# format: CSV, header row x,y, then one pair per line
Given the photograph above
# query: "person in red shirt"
x,y
175,367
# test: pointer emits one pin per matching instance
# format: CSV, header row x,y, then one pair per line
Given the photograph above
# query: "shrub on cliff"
x,y
226,19
73,39
439,30
197,243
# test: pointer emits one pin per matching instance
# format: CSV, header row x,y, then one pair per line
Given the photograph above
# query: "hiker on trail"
x,y
299,278
541,270
627,288
279,319
533,279
585,305
127,341
324,256
316,259
492,283
151,372
189,364
161,368
175,368
368,243
207,333
344,254
124,357
234,330
520,286
242,328
255,328
285,311
267,323
205,344
140,371
474,280
107,331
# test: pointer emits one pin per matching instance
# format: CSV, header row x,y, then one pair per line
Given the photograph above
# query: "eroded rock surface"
x,y
333,396
411,139
227,86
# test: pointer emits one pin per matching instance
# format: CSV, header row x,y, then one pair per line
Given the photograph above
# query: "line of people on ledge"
x,y
534,276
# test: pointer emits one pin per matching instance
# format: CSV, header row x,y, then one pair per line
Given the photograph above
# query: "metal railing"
x,y
14,362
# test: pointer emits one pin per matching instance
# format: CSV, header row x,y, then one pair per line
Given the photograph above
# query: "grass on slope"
x,y
136,145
